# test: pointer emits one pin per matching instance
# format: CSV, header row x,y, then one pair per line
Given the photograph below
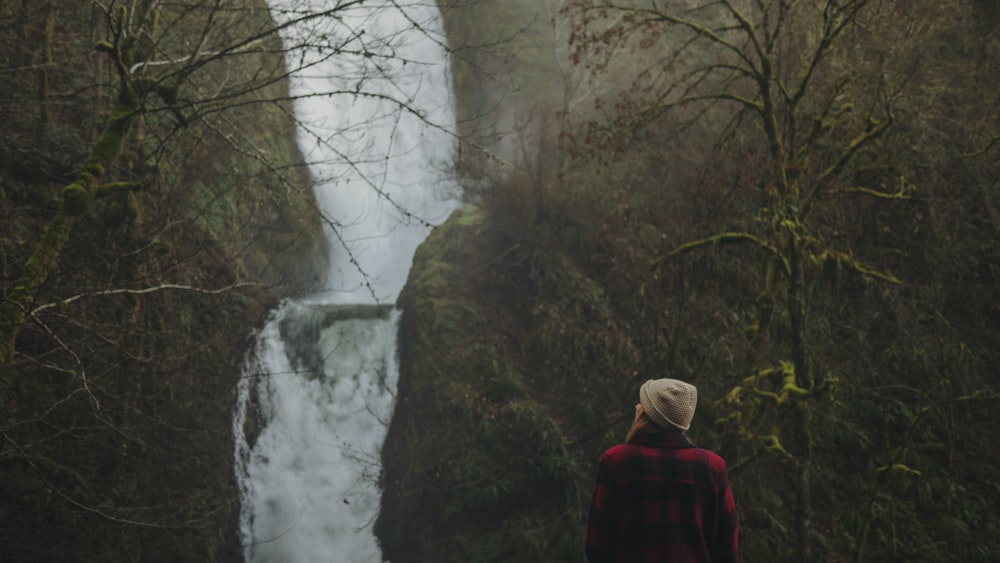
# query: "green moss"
x,y
510,457
76,199
123,402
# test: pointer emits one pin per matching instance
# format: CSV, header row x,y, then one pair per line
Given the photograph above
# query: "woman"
x,y
658,497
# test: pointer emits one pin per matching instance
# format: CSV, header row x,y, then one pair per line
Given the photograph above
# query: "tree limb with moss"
x,y
76,200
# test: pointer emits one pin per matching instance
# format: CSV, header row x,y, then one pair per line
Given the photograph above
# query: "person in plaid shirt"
x,y
658,497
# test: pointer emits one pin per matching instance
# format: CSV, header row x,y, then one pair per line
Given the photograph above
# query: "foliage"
x,y
500,475
115,436
793,208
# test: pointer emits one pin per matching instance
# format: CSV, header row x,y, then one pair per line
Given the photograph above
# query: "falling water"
x,y
319,388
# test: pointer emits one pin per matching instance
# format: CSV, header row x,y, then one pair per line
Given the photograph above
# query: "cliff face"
x,y
477,465
115,408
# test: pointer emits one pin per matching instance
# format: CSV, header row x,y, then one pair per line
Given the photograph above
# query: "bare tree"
x,y
795,99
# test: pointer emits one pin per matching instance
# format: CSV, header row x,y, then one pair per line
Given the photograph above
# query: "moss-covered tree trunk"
x,y
77,199
804,380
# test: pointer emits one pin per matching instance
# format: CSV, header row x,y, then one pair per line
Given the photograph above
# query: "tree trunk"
x,y
803,379
77,199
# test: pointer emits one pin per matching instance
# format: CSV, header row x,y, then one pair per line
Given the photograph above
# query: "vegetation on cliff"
x,y
144,224
793,208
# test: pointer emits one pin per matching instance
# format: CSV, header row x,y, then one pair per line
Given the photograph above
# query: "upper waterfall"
x,y
373,97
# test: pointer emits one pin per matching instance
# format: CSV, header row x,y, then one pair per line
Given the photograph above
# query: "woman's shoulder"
x,y
707,457
614,452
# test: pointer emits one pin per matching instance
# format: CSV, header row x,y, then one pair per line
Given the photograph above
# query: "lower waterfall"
x,y
318,389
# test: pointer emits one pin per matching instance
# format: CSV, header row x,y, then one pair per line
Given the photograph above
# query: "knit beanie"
x,y
669,402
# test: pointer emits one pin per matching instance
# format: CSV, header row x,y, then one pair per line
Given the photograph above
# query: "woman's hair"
x,y
641,425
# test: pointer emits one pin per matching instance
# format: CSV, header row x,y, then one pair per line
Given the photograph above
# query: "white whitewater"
x,y
319,388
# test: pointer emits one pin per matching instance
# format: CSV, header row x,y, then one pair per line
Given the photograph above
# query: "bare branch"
x,y
727,238
833,25
145,290
903,193
747,28
874,130
983,150
705,32
860,267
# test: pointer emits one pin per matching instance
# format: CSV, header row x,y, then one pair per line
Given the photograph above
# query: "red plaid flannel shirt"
x,y
660,498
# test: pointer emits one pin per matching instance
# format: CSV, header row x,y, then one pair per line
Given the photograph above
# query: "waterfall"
x,y
318,390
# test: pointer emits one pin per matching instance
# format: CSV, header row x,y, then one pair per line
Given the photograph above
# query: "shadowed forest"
x,y
794,205
143,225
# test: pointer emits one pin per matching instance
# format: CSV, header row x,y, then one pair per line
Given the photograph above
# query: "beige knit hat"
x,y
669,402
